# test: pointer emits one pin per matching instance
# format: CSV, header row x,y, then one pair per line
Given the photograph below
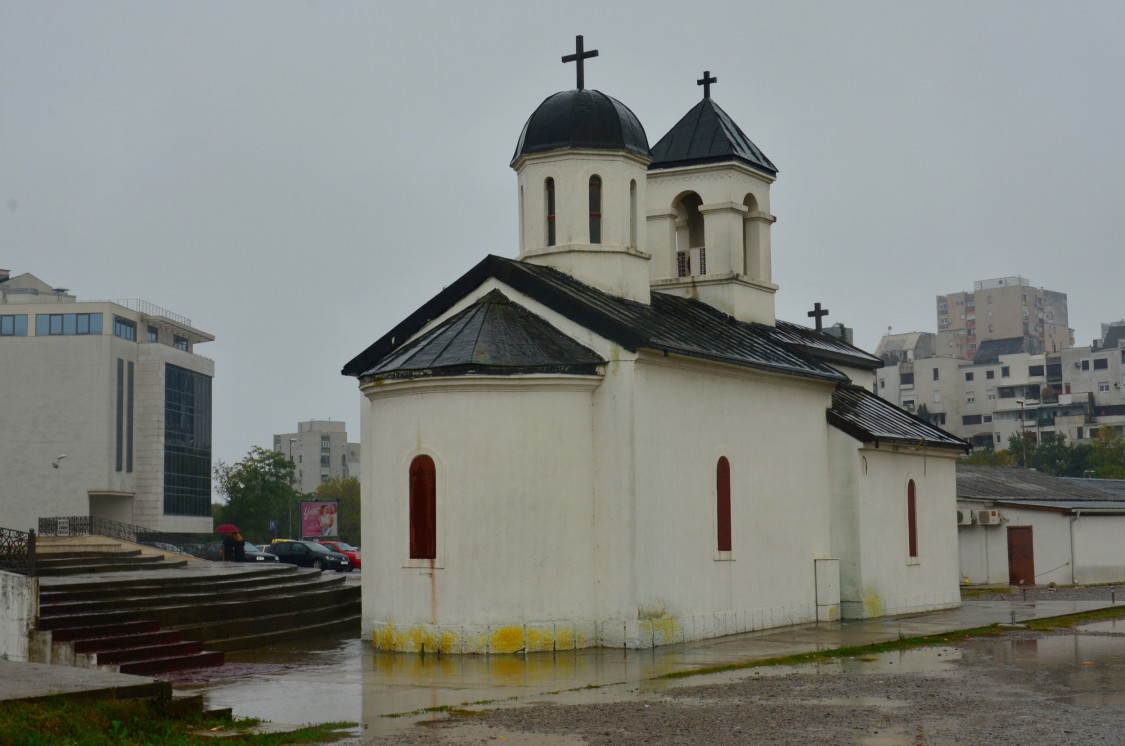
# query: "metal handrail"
x,y
84,525
17,551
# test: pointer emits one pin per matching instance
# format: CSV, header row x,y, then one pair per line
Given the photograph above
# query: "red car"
x,y
345,549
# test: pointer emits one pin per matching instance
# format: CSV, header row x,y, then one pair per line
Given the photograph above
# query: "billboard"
x,y
320,519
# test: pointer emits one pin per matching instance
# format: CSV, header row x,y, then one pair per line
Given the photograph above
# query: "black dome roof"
x,y
582,118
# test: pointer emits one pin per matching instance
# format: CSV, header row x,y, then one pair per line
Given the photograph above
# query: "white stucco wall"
x,y
19,606
871,530
771,429
514,511
57,398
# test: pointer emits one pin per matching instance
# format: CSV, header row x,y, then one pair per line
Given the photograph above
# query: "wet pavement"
x,y
335,679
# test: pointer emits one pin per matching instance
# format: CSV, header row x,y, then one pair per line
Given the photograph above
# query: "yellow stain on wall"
x,y
450,641
663,630
408,640
564,638
431,641
506,640
540,639
872,604
383,637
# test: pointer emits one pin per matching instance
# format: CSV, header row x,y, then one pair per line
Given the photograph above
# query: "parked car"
x,y
345,549
310,554
214,551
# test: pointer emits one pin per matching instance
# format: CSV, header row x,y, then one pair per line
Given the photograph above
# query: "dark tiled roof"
x,y
990,350
1011,484
867,418
707,134
823,346
582,119
670,324
492,336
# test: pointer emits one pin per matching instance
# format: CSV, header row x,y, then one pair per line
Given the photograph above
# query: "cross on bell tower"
x,y
818,313
706,82
579,55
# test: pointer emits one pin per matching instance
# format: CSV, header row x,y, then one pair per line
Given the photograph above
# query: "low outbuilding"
x,y
1022,527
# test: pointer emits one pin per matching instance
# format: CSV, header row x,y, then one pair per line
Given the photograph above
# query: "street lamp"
x,y
58,479
290,511
1023,433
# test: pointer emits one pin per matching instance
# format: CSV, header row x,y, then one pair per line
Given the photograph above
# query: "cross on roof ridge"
x,y
579,55
818,313
706,82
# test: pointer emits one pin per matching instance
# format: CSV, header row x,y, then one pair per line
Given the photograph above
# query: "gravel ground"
x,y
991,692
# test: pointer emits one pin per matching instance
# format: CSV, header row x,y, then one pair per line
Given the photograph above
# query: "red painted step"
x,y
119,642
83,632
150,652
161,665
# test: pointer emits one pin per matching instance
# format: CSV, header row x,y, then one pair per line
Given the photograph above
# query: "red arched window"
x,y
550,185
595,209
722,508
912,519
423,508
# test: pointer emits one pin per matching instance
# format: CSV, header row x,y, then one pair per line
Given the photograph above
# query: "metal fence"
x,y
84,525
17,551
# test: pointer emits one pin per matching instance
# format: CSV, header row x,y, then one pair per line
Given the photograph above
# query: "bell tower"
x,y
582,161
709,213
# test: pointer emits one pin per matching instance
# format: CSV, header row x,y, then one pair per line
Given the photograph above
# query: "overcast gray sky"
x,y
297,177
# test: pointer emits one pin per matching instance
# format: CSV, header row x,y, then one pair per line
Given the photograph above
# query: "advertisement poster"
x,y
318,519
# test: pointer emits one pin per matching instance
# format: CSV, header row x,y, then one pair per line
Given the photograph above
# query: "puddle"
x,y
347,680
1113,627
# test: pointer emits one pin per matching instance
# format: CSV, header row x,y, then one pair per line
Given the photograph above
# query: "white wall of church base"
x,y
895,605
556,636
871,534
514,505
779,484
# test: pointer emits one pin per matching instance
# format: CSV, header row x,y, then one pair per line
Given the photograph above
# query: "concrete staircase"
x,y
156,616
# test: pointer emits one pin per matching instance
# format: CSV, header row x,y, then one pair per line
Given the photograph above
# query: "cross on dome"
x,y
579,55
818,313
706,82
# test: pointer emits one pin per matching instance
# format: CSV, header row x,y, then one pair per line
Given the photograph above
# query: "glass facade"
x,y
124,328
14,325
47,324
187,442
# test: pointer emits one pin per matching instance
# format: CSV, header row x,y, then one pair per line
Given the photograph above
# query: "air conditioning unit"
x,y
988,517
964,517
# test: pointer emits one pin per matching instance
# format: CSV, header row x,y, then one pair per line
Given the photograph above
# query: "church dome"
x,y
582,118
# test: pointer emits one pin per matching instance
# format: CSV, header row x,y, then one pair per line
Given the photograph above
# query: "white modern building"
x,y
106,411
319,451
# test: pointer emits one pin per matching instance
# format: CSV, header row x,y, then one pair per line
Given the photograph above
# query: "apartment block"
x,y
1003,308
106,410
320,451
1006,389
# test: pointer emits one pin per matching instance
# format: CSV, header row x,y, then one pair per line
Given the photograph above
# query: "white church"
x,y
612,441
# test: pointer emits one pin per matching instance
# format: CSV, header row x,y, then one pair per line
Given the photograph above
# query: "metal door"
x,y
1021,557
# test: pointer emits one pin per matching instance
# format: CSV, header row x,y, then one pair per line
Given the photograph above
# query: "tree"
x,y
1022,445
347,492
1107,454
988,457
1053,455
258,489
923,413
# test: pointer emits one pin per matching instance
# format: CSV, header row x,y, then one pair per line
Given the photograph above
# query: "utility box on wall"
x,y
827,589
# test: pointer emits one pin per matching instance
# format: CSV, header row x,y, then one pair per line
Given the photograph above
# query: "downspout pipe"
x,y
1073,573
